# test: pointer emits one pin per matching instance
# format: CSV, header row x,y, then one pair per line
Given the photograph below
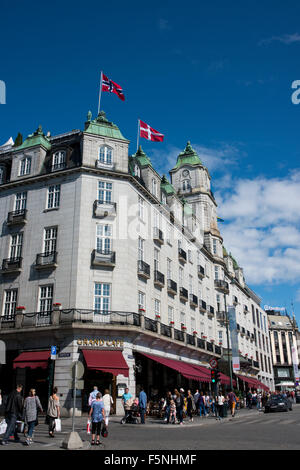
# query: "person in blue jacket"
x,y
142,404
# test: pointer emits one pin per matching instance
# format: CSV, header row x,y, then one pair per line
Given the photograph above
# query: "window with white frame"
x,y
169,268
50,240
191,284
102,297
25,166
154,187
170,314
59,160
157,307
182,318
104,191
216,273
193,324
16,245
53,199
105,155
142,300
10,302
163,198
220,336
186,185
141,208
190,256
20,201
141,249
104,238
180,277
156,259
137,171
46,298
169,234
214,246
218,303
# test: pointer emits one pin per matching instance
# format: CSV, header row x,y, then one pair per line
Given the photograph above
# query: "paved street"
x,y
249,430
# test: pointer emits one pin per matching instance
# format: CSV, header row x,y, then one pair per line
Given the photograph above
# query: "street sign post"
x,y
213,363
53,353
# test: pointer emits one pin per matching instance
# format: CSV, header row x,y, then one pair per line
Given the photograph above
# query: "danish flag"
x,y
112,87
149,133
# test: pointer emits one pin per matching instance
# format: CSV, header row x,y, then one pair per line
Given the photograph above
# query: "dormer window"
x,y
59,160
137,171
186,185
25,166
154,187
105,155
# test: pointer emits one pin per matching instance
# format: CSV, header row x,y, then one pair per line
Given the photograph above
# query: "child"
x,y
172,411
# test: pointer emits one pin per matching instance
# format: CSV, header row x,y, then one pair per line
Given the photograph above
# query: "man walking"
x,y
232,402
13,411
142,404
196,400
202,404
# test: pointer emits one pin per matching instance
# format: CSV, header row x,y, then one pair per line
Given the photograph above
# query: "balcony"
x,y
103,258
181,255
104,165
202,306
12,265
183,294
58,166
201,272
46,260
221,316
102,209
211,312
235,300
178,335
193,301
151,325
143,270
191,339
159,279
158,236
17,217
222,286
172,287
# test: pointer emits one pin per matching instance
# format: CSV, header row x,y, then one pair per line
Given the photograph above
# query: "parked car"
x,y
278,403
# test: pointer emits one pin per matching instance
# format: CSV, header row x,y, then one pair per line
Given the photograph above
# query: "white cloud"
x,y
163,24
284,38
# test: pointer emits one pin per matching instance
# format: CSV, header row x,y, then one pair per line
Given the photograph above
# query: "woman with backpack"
x,y
31,406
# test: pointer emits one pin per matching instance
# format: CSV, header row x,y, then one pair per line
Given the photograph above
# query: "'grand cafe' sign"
x,y
104,343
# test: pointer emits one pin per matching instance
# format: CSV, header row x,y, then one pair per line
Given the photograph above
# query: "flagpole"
x,y
100,92
138,136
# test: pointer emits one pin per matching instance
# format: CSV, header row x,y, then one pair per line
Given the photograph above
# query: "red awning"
x,y
32,359
185,369
107,361
249,380
204,371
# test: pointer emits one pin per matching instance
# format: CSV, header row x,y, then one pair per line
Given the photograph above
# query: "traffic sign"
x,y
79,369
53,352
213,363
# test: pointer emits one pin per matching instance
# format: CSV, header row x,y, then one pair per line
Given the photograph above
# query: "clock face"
x,y
185,172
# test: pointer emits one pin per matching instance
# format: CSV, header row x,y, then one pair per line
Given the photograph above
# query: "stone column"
x,y
19,317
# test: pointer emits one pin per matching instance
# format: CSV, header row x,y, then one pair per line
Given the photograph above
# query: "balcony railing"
x,y
103,258
11,265
172,287
222,286
202,306
211,311
183,294
190,339
102,208
179,335
46,260
166,330
58,166
151,325
159,279
143,269
181,255
201,272
158,236
17,217
193,300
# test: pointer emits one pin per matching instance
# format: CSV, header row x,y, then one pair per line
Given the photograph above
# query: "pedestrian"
x,y
127,401
166,407
53,411
107,402
206,401
142,404
232,401
97,414
190,405
259,397
196,400
93,395
13,412
172,411
31,406
220,401
179,402
202,404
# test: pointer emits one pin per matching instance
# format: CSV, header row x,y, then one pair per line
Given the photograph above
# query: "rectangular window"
x,y
169,268
46,299
53,196
103,238
182,318
102,297
170,314
141,208
141,300
180,277
216,273
220,336
141,248
25,166
156,259
16,245
193,324
21,201
10,302
190,256
214,246
104,191
50,240
154,187
191,284
157,306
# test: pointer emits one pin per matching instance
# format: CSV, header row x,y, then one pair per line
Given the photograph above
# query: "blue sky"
x,y
216,73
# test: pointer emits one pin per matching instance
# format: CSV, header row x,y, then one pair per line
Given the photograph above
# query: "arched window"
x,y
137,171
186,185
105,155
25,166
59,160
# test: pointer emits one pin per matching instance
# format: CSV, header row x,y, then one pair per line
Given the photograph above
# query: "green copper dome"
x,y
101,126
188,157
166,186
141,158
37,138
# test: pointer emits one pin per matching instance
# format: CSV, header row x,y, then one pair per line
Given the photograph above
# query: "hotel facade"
x,y
120,268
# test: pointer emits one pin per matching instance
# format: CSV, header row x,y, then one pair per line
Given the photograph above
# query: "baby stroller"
x,y
131,415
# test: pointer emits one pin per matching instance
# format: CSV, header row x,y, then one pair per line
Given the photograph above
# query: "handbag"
x,y
20,426
104,431
88,426
58,425
3,426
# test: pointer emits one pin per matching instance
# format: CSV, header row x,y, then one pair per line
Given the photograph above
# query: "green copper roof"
x,y
188,157
37,138
166,186
102,127
142,158
235,265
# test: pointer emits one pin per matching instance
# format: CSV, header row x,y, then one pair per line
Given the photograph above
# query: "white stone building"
x,y
118,267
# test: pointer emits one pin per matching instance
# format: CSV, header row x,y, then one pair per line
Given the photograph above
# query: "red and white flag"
x,y
149,133
111,87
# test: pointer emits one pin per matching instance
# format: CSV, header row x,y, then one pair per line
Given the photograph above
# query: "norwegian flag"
x,y
149,133
112,87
